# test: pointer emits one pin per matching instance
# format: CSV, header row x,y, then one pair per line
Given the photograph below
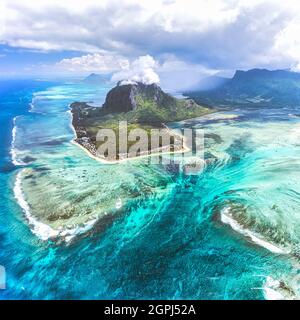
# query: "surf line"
x,y
40,229
227,219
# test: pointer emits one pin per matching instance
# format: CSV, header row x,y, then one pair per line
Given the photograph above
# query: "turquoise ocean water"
x,y
229,232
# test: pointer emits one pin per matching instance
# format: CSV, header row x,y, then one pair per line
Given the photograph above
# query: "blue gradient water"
x,y
172,244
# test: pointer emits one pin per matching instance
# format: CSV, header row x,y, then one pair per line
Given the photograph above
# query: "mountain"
x,y
128,97
256,87
94,78
143,106
149,104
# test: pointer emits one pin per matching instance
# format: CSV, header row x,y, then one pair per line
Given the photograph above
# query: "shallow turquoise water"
x,y
170,244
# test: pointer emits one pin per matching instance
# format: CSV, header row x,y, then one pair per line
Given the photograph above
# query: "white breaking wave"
x,y
13,150
32,103
119,204
227,219
42,230
33,107
69,234
270,289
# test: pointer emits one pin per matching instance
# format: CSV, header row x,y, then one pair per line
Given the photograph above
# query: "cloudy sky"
x,y
166,40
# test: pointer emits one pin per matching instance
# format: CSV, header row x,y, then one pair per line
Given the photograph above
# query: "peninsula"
x,y
142,106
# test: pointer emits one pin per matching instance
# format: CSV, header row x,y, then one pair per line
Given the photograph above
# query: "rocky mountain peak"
x,y
125,97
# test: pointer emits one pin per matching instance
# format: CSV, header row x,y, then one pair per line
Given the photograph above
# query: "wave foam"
x,y
270,289
32,103
227,219
42,230
70,234
14,150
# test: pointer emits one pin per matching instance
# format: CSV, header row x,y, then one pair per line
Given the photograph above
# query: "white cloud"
x,y
218,34
140,70
96,62
287,42
177,74
171,72
171,63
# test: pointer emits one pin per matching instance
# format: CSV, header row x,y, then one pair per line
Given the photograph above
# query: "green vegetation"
x,y
253,88
149,111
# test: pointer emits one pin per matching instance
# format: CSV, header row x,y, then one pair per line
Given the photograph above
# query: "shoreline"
x,y
185,148
42,230
226,218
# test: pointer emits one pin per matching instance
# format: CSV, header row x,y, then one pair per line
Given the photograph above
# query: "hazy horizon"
x,y
176,43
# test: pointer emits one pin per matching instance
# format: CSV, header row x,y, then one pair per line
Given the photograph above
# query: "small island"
x,y
141,106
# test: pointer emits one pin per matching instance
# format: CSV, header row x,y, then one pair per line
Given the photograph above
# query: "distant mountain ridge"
x,y
265,73
255,87
95,78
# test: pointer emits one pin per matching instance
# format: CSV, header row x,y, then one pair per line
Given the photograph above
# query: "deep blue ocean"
x,y
230,232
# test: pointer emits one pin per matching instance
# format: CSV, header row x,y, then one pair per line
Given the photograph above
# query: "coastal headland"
x,y
146,109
